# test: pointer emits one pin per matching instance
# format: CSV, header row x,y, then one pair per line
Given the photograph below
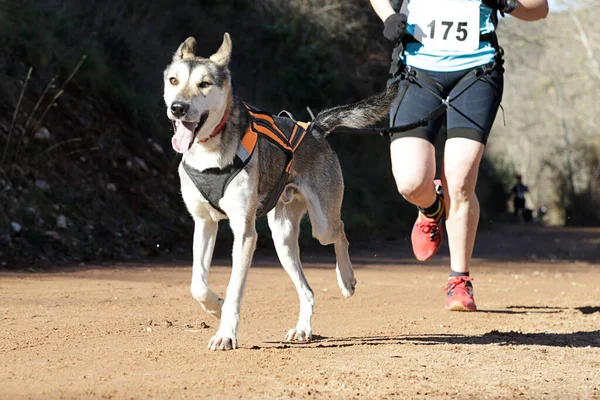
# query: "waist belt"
x,y
397,66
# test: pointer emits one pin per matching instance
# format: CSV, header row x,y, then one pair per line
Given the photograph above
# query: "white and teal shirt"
x,y
448,34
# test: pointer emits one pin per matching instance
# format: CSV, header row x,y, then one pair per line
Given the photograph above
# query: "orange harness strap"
x,y
266,125
283,133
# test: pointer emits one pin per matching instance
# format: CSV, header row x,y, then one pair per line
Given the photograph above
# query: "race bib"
x,y
451,25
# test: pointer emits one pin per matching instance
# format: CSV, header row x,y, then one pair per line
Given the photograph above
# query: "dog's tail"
x,y
357,115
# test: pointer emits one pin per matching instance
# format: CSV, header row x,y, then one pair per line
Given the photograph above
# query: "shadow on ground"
x,y
573,339
512,338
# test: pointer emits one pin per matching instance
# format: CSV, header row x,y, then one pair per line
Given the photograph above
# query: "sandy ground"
x,y
134,331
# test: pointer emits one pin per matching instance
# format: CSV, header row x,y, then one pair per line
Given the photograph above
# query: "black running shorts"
x,y
471,115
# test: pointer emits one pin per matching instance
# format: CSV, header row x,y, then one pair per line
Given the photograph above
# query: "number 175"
x,y
461,31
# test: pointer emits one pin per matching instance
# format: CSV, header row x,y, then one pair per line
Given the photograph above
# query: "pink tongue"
x,y
184,133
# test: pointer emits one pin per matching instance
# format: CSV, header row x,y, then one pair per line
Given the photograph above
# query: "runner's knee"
x,y
412,188
458,190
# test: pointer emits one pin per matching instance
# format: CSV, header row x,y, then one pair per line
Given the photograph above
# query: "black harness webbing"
x,y
385,131
212,182
421,79
283,133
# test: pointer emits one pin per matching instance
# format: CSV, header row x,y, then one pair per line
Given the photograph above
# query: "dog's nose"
x,y
179,109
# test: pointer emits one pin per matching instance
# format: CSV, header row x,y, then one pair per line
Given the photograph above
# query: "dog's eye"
x,y
204,84
173,81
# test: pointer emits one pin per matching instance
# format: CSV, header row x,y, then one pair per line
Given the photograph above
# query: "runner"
x,y
447,53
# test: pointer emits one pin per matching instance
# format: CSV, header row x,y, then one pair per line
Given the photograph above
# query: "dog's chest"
x,y
196,203
201,159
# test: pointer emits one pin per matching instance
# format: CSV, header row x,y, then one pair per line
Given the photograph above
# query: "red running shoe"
x,y
426,235
459,291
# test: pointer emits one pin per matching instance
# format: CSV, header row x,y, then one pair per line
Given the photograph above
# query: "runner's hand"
x,y
394,27
504,6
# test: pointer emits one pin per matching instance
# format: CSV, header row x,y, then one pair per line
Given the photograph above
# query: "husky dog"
x,y
209,123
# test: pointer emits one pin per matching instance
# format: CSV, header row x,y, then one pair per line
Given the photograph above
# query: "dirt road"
x,y
134,331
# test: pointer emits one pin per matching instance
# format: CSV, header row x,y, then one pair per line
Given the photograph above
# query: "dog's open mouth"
x,y
203,119
185,132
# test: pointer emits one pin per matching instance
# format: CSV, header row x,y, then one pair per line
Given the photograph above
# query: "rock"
x,y
61,222
5,240
42,185
141,164
30,216
16,227
157,147
52,235
42,134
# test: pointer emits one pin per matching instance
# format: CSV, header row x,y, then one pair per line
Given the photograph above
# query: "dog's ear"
x,y
186,49
223,55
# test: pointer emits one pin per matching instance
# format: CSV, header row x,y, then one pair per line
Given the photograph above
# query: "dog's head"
x,y
197,92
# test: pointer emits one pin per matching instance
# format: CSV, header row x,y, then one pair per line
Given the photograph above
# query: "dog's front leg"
x,y
244,244
205,234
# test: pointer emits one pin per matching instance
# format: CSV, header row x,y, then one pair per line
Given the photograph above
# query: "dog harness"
x,y
283,133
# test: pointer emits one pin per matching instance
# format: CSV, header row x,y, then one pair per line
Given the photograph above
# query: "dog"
x,y
210,124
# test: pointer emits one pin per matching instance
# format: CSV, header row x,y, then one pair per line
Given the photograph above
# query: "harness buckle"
x,y
409,74
446,102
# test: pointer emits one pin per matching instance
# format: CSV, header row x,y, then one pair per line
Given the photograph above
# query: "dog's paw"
x,y
347,286
214,307
299,335
218,342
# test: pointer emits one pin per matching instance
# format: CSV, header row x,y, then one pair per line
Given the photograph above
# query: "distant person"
x,y
518,193
447,53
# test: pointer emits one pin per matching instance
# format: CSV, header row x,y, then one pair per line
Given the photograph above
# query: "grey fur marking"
x,y
360,114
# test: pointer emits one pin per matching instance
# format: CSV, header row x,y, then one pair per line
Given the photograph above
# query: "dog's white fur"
x,y
240,203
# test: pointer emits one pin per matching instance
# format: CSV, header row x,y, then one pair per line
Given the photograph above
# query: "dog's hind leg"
x,y
205,234
324,210
284,222
343,268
